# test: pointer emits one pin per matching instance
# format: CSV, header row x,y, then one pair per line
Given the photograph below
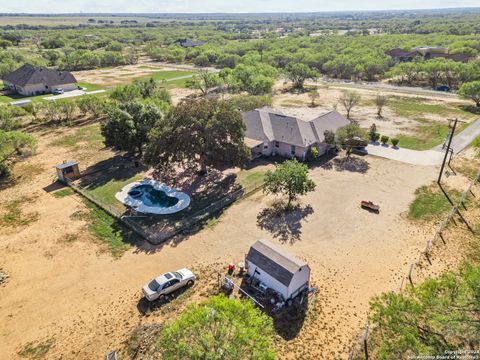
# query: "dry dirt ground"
x,y
65,290
390,124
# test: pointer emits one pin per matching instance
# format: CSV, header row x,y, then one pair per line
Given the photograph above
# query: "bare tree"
x,y
314,95
349,100
380,101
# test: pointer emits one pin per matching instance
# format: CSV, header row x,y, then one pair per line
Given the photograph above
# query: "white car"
x,y
168,283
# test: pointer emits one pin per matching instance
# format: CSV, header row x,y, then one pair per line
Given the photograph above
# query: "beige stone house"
x,y
271,133
30,80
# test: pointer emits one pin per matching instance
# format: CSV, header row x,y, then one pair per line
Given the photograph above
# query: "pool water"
x,y
152,197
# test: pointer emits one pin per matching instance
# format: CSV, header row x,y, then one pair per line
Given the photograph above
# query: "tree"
x,y
329,137
372,133
471,90
204,81
91,105
435,316
206,132
289,178
127,125
314,95
219,328
349,100
126,93
351,135
380,101
13,145
298,73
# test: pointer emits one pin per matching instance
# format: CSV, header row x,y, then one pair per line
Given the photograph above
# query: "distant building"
x,y
269,133
187,43
30,80
399,55
427,53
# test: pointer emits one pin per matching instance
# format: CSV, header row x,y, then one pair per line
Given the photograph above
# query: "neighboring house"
x,y
277,269
398,55
187,43
269,133
30,80
426,52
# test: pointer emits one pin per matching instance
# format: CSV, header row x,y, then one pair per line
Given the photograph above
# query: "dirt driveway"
x,y
81,301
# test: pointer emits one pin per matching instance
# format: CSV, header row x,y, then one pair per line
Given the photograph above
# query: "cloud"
x,y
209,6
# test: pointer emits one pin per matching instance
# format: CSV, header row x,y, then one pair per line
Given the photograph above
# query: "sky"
x,y
212,6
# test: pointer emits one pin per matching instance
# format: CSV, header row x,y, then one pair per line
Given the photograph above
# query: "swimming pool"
x,y
151,196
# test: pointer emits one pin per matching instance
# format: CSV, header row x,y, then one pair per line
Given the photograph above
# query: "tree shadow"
x,y
117,168
284,225
352,164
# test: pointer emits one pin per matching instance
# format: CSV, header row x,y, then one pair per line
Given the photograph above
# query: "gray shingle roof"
x,y
29,75
274,261
266,126
331,121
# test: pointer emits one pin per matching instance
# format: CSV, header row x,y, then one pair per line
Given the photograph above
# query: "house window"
x,y
265,145
293,150
277,144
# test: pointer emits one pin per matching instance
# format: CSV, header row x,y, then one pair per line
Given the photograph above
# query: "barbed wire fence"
x,y
360,349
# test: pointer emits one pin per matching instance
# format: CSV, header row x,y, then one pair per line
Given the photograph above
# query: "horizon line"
x,y
234,13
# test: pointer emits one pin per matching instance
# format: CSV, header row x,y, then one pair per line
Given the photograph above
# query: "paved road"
x,y
379,86
464,138
427,157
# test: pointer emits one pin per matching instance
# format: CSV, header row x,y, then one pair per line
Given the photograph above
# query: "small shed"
x,y
67,171
277,269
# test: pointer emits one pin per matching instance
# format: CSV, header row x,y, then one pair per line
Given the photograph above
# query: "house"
x,y
187,43
30,80
271,133
398,55
277,269
427,53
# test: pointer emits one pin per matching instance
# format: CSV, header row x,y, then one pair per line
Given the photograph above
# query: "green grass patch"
x,y
409,107
427,135
84,137
108,230
13,215
37,351
105,193
430,202
63,193
170,77
250,179
90,87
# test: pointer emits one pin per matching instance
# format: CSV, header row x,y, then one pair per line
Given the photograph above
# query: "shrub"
x,y
384,139
394,141
312,155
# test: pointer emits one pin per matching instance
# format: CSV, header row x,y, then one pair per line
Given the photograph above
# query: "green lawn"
x,y
6,99
169,75
411,107
108,230
105,193
427,135
91,87
250,178
430,202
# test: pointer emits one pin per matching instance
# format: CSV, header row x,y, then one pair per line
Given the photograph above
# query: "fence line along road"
x,y
359,350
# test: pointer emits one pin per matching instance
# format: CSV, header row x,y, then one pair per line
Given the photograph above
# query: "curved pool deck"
x,y
138,205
